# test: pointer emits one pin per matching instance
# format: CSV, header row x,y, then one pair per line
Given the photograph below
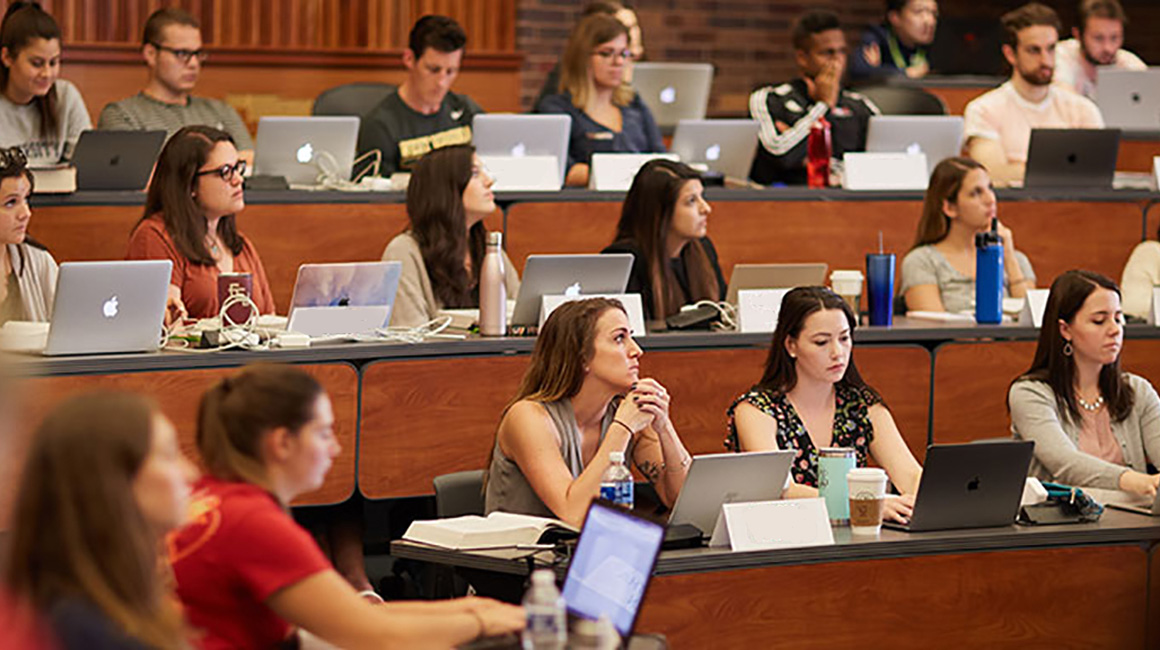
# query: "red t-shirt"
x,y
198,282
239,549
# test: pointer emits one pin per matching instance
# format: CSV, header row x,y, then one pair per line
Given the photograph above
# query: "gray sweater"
x,y
1035,416
36,273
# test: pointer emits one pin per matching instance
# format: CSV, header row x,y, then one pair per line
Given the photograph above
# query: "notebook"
x,y
715,479
1072,158
1129,99
116,160
674,91
520,136
936,136
569,275
299,148
775,276
348,298
109,307
725,146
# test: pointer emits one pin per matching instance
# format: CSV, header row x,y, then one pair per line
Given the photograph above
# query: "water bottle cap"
x,y
543,576
495,238
616,456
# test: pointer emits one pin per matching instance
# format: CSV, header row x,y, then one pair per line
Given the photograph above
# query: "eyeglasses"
x,y
183,55
12,157
609,54
226,172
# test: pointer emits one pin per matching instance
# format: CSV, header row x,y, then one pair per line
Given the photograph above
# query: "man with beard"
x,y
1097,40
999,123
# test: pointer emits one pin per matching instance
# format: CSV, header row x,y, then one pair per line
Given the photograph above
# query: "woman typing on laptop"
x,y
812,396
27,270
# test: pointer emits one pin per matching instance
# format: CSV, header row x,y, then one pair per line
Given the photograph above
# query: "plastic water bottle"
x,y
989,276
819,151
492,290
616,484
547,625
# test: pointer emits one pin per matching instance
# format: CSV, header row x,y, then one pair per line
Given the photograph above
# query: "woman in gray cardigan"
x,y
1093,424
27,270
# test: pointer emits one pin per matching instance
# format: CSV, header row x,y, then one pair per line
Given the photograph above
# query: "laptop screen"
x,y
612,565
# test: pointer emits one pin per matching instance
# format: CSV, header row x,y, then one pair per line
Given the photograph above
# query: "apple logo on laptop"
x,y
305,153
109,309
713,152
1072,158
519,151
914,149
973,484
1135,98
573,290
115,160
668,95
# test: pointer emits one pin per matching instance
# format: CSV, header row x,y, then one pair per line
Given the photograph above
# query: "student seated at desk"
x,y
635,42
27,270
581,399
608,116
1093,424
938,274
247,575
197,230
1141,275
812,396
663,225
448,197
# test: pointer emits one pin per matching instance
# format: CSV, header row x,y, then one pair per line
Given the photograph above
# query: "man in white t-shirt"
x,y
1097,41
999,123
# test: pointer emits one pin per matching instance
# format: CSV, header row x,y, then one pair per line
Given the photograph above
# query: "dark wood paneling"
x,y
970,388
1137,155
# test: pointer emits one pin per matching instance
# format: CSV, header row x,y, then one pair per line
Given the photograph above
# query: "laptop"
x,y
674,91
337,299
297,148
1072,158
569,275
716,479
1129,99
973,485
109,307
116,160
725,146
774,276
1139,506
937,136
520,136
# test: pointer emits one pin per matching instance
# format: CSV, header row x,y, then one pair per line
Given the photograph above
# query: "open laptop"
x,y
108,307
1140,506
716,479
725,146
774,276
674,91
1129,99
569,275
937,136
349,298
519,136
973,485
1072,158
297,148
116,160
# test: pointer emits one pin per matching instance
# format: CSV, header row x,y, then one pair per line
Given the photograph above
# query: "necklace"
x,y
1090,406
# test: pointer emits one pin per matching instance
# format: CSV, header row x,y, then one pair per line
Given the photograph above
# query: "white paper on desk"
x,y
1033,308
763,525
757,309
1155,309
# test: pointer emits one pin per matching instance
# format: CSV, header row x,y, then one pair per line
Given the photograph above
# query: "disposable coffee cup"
x,y
848,284
867,487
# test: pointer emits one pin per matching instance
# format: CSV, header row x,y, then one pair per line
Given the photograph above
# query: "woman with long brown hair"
x,y
581,399
27,271
448,197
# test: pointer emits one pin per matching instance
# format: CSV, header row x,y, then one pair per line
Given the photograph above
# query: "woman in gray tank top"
x,y
581,399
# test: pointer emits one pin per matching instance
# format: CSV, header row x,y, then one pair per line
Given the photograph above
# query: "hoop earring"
x,y
1067,349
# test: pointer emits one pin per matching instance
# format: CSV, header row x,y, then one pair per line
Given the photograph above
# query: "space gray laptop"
x,y
1140,506
774,276
715,479
1072,158
725,146
569,275
344,298
116,160
1129,99
674,91
108,307
973,485
937,136
297,147
522,135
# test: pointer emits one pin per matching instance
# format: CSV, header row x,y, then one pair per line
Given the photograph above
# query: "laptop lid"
x,y
1072,158
775,276
116,160
715,479
725,146
1137,504
519,136
348,298
937,136
674,91
569,275
1129,99
107,307
298,147
612,565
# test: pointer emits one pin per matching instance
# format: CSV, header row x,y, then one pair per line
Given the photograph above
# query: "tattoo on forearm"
x,y
651,470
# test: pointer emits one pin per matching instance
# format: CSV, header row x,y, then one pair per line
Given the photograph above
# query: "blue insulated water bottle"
x,y
989,276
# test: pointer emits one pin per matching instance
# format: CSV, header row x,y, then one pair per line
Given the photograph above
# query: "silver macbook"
x,y
674,91
569,275
715,479
519,136
725,146
116,160
338,299
1140,505
1072,158
937,136
107,307
1129,99
299,148
774,276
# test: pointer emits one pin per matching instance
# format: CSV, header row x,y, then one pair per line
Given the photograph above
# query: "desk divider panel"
x,y
559,228
970,388
1142,357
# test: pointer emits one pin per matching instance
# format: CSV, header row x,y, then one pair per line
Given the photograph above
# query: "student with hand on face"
x,y
27,271
899,45
1097,41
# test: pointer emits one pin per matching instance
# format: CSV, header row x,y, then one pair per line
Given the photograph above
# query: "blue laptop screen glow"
x,y
611,567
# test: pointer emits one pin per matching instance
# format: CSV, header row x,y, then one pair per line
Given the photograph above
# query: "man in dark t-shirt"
x,y
422,114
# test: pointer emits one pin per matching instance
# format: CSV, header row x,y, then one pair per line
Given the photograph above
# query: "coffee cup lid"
x,y
866,474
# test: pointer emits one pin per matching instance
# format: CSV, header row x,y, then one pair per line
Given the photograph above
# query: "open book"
x,y
472,532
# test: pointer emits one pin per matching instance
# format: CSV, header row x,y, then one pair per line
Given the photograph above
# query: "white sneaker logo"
x,y
455,115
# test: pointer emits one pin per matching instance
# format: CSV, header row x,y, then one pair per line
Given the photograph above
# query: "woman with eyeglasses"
x,y
39,112
190,219
27,270
608,116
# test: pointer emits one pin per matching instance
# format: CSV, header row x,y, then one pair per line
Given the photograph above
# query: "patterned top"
x,y
852,427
